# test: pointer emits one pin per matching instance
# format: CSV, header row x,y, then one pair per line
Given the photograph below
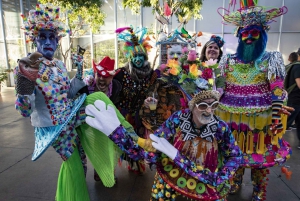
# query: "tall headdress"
x,y
135,41
250,13
196,80
43,17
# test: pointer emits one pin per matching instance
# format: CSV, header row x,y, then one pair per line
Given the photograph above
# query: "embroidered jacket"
x,y
178,129
51,101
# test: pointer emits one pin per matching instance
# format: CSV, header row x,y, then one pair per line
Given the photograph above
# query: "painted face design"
x,y
175,52
205,110
250,35
46,42
103,82
212,51
138,60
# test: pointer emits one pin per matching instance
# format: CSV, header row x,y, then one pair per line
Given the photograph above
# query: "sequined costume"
x,y
134,92
254,98
190,173
247,108
47,95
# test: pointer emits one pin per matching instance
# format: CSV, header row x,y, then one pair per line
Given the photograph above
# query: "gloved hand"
x,y
102,119
26,73
162,145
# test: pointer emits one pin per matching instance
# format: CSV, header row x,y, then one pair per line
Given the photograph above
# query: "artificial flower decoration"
x,y
194,71
185,50
210,63
174,67
207,73
201,83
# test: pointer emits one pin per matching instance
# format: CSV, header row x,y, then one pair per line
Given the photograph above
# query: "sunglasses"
x,y
253,32
204,106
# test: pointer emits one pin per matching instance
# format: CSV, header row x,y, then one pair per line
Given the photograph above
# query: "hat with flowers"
x,y
197,81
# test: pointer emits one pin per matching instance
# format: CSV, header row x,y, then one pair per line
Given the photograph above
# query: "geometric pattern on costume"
x,y
246,107
45,136
189,132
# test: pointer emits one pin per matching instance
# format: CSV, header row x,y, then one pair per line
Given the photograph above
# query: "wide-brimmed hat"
x,y
105,67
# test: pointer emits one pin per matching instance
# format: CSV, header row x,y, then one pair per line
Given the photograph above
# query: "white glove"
x,y
162,145
102,119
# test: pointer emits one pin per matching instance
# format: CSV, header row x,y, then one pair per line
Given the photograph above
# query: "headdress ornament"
x,y
105,67
251,14
216,39
43,17
135,41
198,81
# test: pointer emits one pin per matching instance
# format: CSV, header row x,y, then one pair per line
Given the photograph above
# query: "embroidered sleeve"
x,y
24,104
127,140
232,158
276,68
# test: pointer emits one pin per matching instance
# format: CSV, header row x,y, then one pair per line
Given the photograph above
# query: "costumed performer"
x,y
253,100
197,155
179,51
47,95
100,79
135,79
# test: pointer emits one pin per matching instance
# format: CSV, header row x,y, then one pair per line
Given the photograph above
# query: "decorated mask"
x,y
138,60
175,52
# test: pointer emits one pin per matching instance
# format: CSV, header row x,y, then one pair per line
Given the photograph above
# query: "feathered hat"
x,y
43,17
135,41
105,67
251,14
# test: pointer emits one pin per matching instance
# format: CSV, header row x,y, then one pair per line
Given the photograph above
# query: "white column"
x,y
116,39
24,37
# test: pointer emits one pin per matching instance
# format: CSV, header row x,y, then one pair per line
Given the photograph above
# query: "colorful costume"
x,y
100,79
253,96
197,159
135,78
170,98
47,95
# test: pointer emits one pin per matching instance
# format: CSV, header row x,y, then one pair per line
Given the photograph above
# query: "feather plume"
x,y
120,30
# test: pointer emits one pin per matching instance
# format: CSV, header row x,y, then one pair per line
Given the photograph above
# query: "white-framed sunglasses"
x,y
204,106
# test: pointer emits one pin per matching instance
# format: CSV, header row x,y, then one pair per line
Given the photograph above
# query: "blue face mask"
x,y
46,43
138,61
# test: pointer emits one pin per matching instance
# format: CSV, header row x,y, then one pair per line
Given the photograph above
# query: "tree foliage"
x,y
82,17
81,13
182,7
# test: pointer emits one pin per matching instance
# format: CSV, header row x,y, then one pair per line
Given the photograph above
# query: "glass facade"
x,y
282,35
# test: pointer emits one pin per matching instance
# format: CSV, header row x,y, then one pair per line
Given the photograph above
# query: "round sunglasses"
x,y
204,106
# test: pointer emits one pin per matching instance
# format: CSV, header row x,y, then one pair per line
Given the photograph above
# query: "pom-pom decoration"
x,y
45,17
